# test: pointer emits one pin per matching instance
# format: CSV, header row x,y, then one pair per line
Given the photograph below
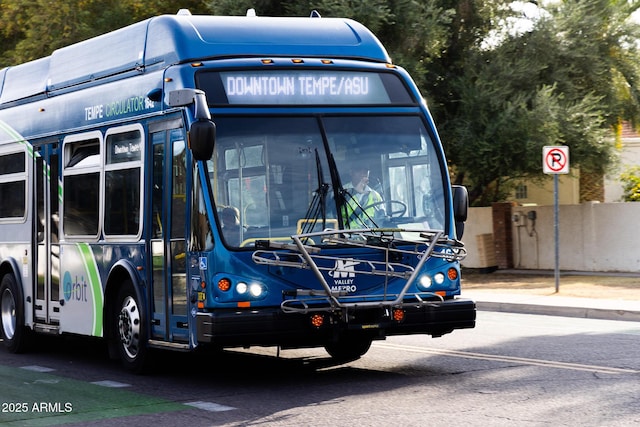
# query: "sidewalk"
x,y
610,296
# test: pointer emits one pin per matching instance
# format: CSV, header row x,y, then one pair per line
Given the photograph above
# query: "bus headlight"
x,y
438,278
425,281
255,290
241,288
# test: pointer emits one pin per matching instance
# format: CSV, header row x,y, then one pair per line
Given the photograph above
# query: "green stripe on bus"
x,y
17,137
42,399
96,286
10,131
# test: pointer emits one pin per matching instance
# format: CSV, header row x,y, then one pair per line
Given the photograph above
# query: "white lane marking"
x,y
210,406
111,384
498,358
36,368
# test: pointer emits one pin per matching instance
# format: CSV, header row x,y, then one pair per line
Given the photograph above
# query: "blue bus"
x,y
202,181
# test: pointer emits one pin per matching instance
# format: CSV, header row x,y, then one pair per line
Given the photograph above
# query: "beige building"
x,y
528,193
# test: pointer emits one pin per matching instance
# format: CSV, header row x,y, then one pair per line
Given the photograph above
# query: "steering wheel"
x,y
397,213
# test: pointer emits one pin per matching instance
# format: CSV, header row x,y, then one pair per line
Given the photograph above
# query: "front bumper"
x,y
271,326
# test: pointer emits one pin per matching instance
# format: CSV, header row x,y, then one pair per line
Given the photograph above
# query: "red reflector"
x,y
398,315
317,320
224,284
244,304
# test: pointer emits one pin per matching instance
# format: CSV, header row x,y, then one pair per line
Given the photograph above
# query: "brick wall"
x,y
503,234
591,187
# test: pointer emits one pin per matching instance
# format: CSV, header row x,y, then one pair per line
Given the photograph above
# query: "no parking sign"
x,y
555,159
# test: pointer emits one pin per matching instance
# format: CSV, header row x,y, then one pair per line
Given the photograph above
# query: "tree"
x,y
507,111
33,29
567,81
631,180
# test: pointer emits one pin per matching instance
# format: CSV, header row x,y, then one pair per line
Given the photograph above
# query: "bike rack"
x,y
302,256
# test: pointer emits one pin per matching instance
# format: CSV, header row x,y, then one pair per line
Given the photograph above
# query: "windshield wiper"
x,y
339,193
318,205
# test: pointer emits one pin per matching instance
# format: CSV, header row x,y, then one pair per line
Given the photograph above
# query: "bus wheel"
x,y
130,329
347,349
14,333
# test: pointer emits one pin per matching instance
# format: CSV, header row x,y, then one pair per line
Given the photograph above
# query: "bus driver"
x,y
363,203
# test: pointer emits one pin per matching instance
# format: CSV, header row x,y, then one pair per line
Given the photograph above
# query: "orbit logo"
x,y
75,290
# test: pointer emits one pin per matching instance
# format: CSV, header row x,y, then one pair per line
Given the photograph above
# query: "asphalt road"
x,y
512,369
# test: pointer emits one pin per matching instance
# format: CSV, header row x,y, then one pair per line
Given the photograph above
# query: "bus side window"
x,y
158,162
245,178
81,185
201,234
12,185
122,211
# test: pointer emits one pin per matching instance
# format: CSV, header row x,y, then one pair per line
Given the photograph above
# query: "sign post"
x,y
555,161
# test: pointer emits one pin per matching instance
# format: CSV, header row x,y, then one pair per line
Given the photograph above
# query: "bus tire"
x,y
347,349
12,322
130,329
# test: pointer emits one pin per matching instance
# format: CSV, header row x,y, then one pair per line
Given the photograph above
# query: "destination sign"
x,y
124,147
303,87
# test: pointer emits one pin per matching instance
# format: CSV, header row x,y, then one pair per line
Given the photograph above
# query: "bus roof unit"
x,y
170,39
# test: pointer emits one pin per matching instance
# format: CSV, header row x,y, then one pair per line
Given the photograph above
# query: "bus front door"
x,y
167,242
47,307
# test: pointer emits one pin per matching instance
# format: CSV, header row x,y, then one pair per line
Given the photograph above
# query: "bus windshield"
x,y
273,177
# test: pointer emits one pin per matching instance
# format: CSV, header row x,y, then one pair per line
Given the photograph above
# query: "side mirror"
x,y
202,133
460,208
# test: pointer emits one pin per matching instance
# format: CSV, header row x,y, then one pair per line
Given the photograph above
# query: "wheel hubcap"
x,y
129,327
8,310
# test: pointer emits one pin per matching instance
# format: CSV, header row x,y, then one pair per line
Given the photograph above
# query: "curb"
x,y
563,311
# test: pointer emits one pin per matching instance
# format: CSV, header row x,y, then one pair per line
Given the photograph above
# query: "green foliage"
x,y
631,184
565,82
33,29
597,44
240,7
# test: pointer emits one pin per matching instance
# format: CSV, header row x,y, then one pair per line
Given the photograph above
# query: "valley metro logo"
x,y
343,275
344,269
